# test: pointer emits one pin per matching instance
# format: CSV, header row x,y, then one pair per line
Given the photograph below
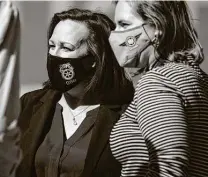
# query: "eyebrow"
x,y
123,21
50,41
63,42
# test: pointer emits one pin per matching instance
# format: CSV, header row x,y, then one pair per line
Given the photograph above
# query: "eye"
x,y
123,24
51,46
67,49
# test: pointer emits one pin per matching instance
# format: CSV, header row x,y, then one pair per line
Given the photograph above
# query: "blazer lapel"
x,y
40,122
106,119
42,116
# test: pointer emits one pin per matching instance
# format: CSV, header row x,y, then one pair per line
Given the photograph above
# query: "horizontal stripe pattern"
x,y
164,131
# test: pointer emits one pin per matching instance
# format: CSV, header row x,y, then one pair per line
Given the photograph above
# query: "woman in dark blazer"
x,y
57,140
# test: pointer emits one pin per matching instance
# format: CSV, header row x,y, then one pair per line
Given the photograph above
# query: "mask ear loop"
x,y
151,42
160,59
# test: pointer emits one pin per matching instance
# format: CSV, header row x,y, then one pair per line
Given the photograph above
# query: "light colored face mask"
x,y
126,48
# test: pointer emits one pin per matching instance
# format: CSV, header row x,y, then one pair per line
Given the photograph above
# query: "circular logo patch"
x,y
130,41
67,71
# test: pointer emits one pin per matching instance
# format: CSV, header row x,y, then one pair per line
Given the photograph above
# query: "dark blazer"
x,y
35,120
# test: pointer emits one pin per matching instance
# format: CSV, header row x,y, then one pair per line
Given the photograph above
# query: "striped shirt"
x,y
164,131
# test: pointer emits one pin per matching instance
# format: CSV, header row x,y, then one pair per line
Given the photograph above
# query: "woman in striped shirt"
x,y
164,131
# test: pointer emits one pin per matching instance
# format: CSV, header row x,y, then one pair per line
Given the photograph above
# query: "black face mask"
x,y
66,73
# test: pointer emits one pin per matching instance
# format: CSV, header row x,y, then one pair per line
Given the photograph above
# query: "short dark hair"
x,y
108,75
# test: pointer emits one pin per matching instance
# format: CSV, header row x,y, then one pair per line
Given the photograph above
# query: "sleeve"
x,y
162,120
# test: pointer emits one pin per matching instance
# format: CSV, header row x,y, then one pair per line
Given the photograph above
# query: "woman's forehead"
x,y
125,11
70,31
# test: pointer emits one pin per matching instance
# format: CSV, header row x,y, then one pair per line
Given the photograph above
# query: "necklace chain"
x,y
74,116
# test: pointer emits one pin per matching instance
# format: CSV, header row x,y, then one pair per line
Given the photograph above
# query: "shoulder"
x,y
170,73
33,95
170,77
45,95
31,102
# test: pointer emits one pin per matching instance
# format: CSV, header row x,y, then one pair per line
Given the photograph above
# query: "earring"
x,y
158,33
93,65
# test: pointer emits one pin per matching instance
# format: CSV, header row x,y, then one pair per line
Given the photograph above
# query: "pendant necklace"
x,y
74,116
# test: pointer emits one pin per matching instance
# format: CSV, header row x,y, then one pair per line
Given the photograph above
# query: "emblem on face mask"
x,y
67,71
130,41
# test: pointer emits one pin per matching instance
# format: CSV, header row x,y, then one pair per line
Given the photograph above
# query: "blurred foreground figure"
x,y
9,89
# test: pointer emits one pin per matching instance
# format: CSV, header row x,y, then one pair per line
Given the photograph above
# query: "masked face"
x,y
126,47
65,63
131,41
66,73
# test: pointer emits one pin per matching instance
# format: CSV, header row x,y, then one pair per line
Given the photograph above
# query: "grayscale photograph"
x,y
115,88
